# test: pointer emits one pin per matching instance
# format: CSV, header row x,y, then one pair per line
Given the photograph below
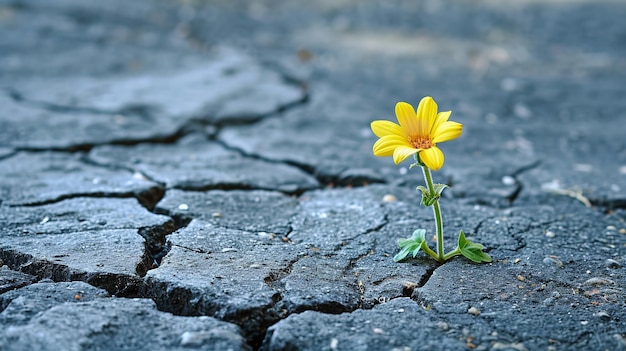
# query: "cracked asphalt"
x,y
183,174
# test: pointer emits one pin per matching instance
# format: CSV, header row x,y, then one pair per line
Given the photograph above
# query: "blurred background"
x,y
534,82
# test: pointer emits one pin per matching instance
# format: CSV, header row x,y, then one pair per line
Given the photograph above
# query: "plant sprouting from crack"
x,y
418,134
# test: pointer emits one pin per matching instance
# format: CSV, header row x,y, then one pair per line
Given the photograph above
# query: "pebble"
x,y
473,310
508,180
551,261
550,234
522,111
443,326
598,281
611,263
183,207
603,316
191,339
229,249
389,198
139,176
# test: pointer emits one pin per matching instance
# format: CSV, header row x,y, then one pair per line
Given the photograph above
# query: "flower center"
x,y
420,142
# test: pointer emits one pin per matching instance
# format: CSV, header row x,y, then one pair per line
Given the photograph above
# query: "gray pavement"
x,y
198,175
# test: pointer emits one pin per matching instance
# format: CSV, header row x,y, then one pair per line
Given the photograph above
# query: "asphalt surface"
x,y
199,174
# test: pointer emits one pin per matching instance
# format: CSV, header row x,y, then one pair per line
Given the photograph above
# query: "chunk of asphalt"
x,y
195,163
10,279
400,324
229,87
38,178
75,316
89,239
19,306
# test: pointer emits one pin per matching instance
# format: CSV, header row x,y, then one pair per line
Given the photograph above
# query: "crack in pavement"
x,y
325,180
120,285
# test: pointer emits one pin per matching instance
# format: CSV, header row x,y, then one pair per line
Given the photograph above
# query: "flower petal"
x,y
387,144
382,128
447,131
407,118
402,152
426,115
442,117
432,157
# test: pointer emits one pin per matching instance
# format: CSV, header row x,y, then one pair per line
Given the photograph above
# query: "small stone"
x,y
603,316
473,310
45,220
443,326
229,249
333,343
390,198
139,176
522,111
611,263
508,180
552,261
521,278
377,331
191,339
512,346
584,322
550,234
598,281
622,230
611,227
216,214
183,207
583,167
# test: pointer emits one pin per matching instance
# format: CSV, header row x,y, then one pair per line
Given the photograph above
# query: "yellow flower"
x,y
417,133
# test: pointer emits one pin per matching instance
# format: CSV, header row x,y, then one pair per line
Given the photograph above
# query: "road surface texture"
x,y
191,174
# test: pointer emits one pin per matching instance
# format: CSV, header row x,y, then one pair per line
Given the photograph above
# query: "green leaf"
x,y
425,195
402,254
439,188
419,235
472,251
428,197
411,245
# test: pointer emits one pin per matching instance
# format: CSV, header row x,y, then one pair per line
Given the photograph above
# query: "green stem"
x,y
437,211
430,252
451,254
